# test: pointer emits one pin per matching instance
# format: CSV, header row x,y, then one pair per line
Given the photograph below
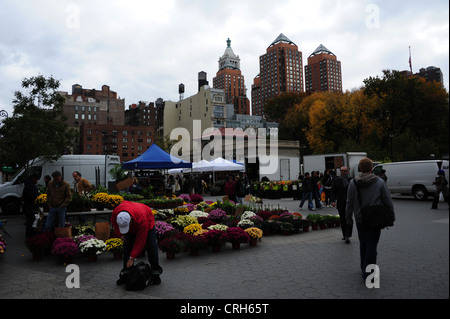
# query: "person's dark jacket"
x,y
29,195
306,185
339,191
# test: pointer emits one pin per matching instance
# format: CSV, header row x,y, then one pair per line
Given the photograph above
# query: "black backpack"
x,y
136,277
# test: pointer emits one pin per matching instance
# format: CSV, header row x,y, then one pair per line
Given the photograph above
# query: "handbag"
x,y
136,277
375,217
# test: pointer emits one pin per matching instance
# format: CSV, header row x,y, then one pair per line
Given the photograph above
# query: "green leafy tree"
x,y
37,127
413,113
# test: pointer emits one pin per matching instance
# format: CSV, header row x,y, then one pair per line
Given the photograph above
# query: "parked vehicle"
x,y
324,162
412,178
95,168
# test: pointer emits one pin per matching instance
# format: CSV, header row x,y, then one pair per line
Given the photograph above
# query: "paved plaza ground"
x,y
413,257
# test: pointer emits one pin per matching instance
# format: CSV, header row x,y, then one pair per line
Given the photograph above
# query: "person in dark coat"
x,y
339,190
441,186
29,195
307,191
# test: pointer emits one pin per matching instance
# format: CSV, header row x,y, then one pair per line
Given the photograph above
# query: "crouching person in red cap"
x,y
135,222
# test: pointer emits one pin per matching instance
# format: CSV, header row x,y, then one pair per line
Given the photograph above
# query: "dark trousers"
x,y
436,201
368,242
347,229
307,196
152,250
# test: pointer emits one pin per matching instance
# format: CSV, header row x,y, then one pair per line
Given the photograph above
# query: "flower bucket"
x,y
236,246
194,252
170,255
216,248
253,242
117,256
67,260
37,256
92,258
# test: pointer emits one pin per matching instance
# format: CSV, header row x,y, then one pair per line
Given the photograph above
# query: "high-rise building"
x,y
230,79
280,71
431,74
323,71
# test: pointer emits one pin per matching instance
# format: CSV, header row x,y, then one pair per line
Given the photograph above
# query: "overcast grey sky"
x,y
144,49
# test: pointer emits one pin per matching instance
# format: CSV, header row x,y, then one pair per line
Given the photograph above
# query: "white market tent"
x,y
217,165
220,164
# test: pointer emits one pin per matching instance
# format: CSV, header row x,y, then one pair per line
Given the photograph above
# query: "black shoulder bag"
x,y
136,277
375,217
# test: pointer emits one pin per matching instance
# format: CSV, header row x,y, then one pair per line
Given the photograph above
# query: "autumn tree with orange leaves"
x,y
394,115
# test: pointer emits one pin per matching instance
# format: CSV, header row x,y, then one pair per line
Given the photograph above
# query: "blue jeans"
x,y
368,241
56,218
152,250
307,196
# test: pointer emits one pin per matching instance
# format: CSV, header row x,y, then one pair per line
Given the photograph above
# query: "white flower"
x,y
218,227
245,222
247,214
198,213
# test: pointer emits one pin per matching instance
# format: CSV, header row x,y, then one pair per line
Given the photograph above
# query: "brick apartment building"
x,y
99,115
230,79
281,71
323,72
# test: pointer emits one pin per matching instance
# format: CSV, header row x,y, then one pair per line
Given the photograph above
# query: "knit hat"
x,y
441,172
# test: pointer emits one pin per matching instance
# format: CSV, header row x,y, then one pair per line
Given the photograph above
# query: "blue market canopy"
x,y
155,158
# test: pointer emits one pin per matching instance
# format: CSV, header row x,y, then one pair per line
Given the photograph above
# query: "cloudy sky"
x,y
144,49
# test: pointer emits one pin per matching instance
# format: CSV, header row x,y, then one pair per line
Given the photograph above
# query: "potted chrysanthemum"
x,y
171,246
115,246
255,234
40,244
41,200
217,215
66,248
92,248
196,242
216,238
100,200
236,236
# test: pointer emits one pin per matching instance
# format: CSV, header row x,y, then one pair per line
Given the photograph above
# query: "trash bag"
x,y
136,277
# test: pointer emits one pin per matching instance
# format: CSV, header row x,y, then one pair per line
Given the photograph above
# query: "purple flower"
x,y
185,197
65,247
162,227
196,198
217,215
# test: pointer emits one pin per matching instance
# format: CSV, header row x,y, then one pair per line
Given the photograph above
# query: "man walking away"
x,y
373,191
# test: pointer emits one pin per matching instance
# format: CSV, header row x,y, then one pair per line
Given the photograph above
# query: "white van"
x,y
412,178
95,168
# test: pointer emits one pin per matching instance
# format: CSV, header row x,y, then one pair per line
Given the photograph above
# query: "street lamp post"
x,y
3,113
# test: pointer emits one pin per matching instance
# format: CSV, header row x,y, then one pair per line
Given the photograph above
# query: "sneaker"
x,y
120,281
347,240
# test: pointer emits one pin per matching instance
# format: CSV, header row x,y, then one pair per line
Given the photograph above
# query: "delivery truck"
x,y
323,162
95,168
